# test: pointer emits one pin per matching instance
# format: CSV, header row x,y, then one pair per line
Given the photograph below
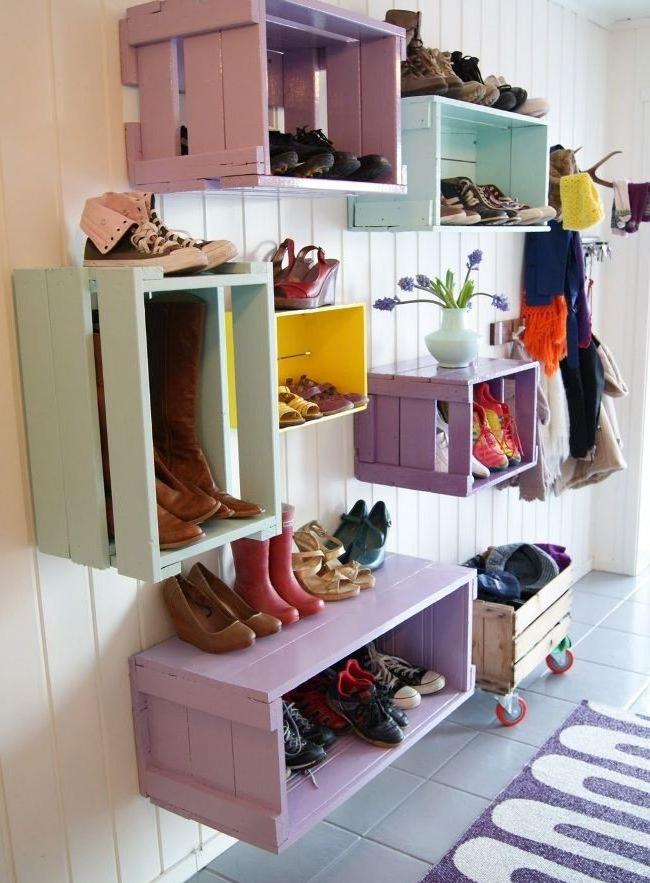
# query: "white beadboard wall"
x,y
623,545
69,807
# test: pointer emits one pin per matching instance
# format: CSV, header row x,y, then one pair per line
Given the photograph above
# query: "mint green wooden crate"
x,y
444,138
54,317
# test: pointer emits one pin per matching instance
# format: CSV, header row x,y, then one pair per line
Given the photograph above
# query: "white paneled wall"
x,y
623,544
69,807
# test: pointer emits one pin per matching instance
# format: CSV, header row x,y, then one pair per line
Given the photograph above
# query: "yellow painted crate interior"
x,y
327,344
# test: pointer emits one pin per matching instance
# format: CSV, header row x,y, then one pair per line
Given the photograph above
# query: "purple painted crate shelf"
x,y
209,728
395,437
217,67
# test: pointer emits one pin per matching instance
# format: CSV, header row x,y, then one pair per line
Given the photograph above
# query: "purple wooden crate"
x,y
209,728
234,60
395,436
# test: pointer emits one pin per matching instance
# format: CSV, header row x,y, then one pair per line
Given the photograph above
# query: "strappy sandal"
x,y
329,587
301,290
307,563
324,395
312,537
288,416
354,573
307,410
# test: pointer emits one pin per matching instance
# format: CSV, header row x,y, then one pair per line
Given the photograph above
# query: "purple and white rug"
x,y
580,810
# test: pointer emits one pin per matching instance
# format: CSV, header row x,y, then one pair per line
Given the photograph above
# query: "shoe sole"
x,y
377,742
218,252
408,704
181,260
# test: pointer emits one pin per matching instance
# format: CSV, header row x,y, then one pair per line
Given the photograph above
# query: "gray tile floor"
x,y
393,830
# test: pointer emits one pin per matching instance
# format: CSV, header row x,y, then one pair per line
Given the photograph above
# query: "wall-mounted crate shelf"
x,y
217,68
311,342
508,643
209,728
55,325
444,138
395,437
329,345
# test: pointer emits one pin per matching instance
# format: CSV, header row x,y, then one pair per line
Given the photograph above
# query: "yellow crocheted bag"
x,y
581,204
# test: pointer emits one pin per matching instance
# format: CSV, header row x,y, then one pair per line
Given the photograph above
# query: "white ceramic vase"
x,y
453,345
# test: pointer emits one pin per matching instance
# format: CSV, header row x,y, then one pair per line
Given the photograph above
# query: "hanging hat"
x,y
582,207
532,566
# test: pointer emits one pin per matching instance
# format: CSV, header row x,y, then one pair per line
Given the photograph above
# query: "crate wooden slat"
x,y
443,138
54,313
395,439
252,54
209,728
509,643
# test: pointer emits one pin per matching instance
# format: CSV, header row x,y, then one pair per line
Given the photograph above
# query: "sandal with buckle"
x,y
312,537
352,572
328,399
307,410
329,587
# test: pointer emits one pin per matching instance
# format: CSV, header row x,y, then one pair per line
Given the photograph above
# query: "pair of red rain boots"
x,y
264,576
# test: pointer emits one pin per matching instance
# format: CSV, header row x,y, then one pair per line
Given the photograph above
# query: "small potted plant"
x,y
453,345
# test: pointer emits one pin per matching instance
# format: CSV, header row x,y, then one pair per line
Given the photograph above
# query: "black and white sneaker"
x,y
421,679
310,730
358,702
403,695
299,754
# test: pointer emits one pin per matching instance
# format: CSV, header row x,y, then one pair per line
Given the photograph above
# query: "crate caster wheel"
x,y
511,710
560,661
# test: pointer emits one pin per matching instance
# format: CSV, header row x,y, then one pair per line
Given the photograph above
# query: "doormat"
x,y
579,811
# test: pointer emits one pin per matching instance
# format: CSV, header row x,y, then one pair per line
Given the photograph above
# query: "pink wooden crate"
x,y
395,438
209,728
217,66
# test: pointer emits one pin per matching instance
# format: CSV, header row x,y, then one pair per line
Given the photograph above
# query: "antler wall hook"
x,y
592,171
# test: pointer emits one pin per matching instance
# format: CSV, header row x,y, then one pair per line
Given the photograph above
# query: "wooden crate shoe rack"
x,y
444,138
217,67
209,728
508,643
55,326
395,437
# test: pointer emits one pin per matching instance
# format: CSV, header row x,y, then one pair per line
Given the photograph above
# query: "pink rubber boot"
x,y
281,572
252,580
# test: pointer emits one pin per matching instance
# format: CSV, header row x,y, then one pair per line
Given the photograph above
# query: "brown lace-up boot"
x,y
419,77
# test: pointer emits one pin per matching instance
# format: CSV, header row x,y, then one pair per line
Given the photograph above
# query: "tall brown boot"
x,y
172,531
174,343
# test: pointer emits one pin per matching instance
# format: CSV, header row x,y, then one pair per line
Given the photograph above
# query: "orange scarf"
x,y
545,334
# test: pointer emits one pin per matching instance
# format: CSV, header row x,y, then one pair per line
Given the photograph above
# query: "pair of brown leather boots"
x,y
186,493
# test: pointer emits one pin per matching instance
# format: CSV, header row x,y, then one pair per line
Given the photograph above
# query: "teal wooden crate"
x,y
54,317
443,138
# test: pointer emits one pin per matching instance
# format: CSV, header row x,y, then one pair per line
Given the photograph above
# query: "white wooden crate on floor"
x,y
55,326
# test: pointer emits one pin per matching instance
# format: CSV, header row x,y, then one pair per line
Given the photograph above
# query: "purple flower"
x,y
500,302
423,281
407,283
386,303
474,259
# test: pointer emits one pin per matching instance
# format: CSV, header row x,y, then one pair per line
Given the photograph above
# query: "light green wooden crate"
x,y
54,315
444,138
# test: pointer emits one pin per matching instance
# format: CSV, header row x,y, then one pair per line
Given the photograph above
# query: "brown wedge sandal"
x,y
312,537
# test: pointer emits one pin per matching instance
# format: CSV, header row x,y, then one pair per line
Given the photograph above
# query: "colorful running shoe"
x,y
501,422
486,448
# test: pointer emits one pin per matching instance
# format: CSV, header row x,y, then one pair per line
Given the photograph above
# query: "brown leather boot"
x,y
200,622
174,343
183,501
419,76
172,532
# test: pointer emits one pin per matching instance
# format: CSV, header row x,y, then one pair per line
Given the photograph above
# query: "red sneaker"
x,y
310,699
